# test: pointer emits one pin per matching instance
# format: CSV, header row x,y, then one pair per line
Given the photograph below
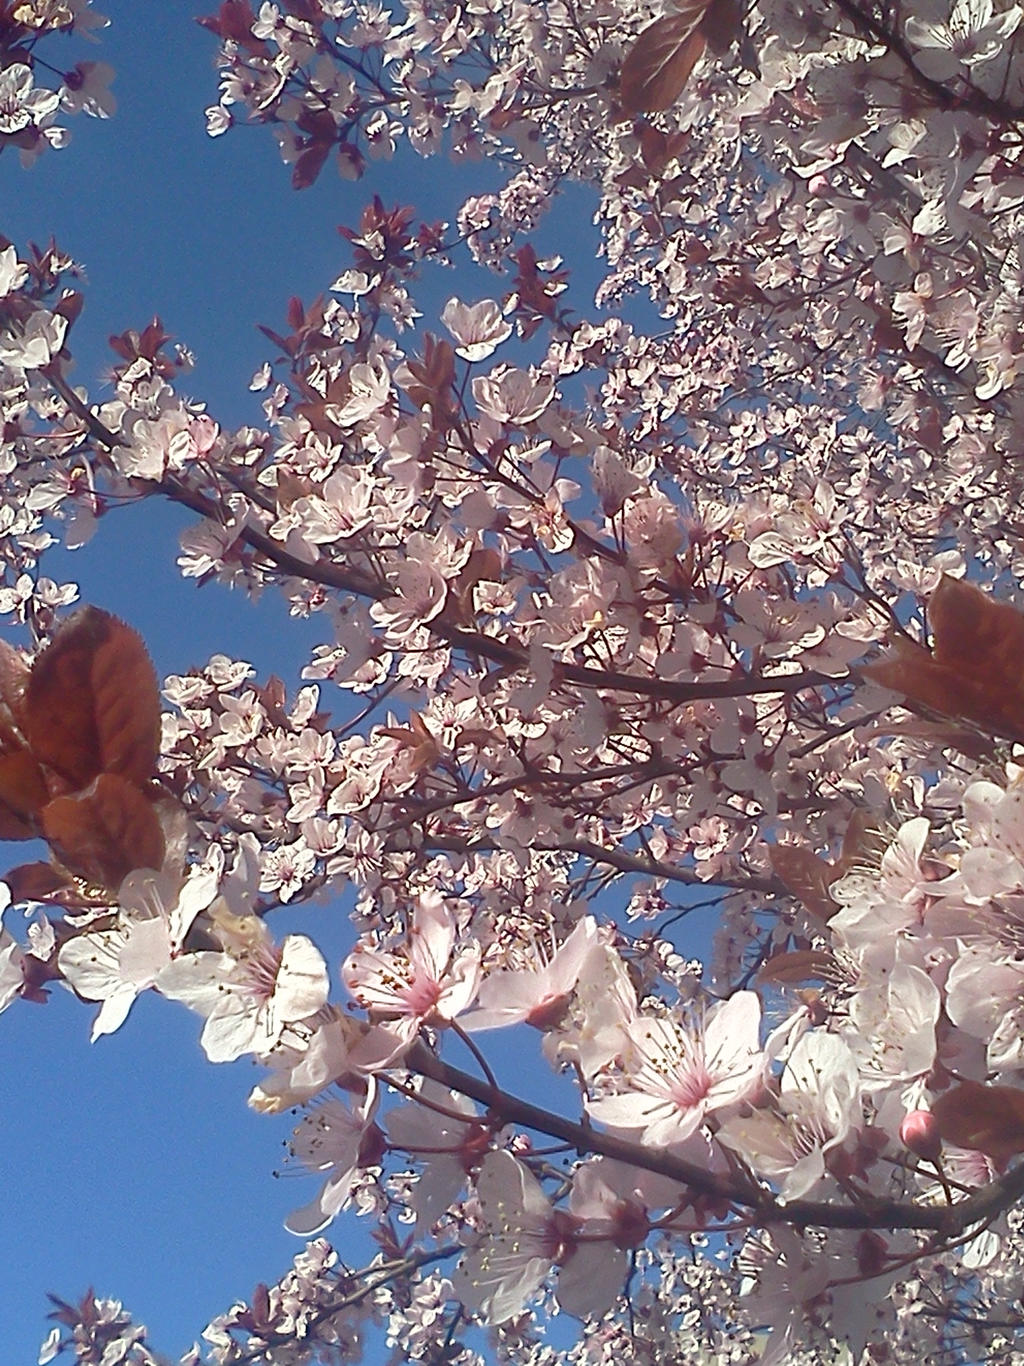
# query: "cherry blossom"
x,y
21,104
330,1139
13,272
520,1241
614,1205
512,395
425,982
818,1105
538,992
972,34
678,1071
87,88
248,996
664,695
478,328
449,1133
115,965
11,955
327,1047
34,343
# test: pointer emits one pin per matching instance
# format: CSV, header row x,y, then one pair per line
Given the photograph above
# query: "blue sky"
x,y
134,1165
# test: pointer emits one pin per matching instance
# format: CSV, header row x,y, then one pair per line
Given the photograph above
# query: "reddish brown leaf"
x,y
23,792
798,965
12,827
92,704
989,1119
946,734
722,24
807,876
864,842
309,165
657,66
35,881
13,682
973,670
104,833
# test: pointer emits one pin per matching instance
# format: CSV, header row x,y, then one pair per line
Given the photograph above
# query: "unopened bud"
x,y
920,1133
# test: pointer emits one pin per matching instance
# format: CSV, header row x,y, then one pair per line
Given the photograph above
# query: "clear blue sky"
x,y
134,1165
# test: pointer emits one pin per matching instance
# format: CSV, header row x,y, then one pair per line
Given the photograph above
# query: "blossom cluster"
x,y
601,609
29,104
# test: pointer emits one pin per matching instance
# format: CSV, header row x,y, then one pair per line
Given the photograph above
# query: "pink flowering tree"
x,y
697,593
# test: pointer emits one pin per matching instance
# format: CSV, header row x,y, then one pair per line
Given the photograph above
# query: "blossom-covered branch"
x,y
690,578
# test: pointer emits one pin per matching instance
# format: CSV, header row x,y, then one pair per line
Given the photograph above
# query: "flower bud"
x,y
920,1133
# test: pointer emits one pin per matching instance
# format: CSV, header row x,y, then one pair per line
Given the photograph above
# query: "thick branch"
x,y
765,1208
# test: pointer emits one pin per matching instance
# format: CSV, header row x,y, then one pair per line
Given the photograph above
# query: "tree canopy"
x,y
694,600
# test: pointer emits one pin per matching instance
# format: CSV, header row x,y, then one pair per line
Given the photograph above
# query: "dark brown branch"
x,y
621,859
765,1208
973,99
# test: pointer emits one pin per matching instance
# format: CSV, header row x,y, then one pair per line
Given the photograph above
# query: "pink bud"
x,y
920,1133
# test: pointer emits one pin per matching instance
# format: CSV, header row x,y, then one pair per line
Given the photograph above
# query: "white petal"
x,y
302,982
113,1012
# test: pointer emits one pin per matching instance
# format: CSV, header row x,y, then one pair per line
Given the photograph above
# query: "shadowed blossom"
x,y
537,994
331,1139
817,1105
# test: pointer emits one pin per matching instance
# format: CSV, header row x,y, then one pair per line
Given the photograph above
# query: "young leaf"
x,y
92,704
973,669
14,671
104,833
989,1119
807,876
39,882
722,24
309,165
797,965
657,66
23,792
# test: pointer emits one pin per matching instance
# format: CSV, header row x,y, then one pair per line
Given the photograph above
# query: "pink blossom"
x,y
479,329
511,395
34,343
818,1105
13,272
330,1139
327,1047
115,965
891,1030
428,980
22,104
985,997
537,994
11,956
520,1241
676,1072
249,997
447,1131
613,1204
156,911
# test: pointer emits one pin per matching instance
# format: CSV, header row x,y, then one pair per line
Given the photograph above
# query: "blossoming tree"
x,y
619,620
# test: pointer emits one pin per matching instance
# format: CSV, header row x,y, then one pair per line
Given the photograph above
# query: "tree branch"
x,y
766,1208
